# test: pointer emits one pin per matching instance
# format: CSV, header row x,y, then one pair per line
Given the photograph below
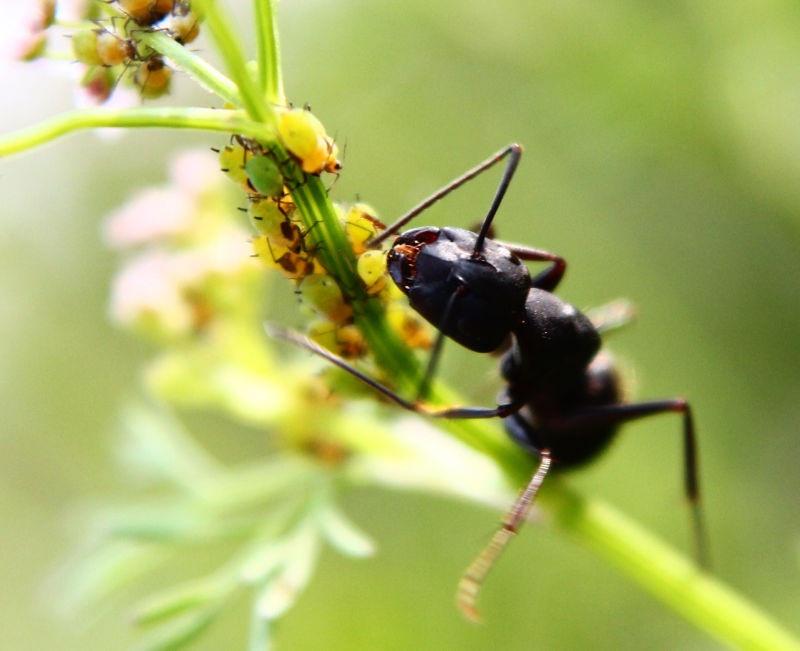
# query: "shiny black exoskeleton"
x,y
475,300
481,301
562,399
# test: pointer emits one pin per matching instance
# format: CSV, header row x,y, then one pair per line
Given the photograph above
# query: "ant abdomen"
x,y
566,423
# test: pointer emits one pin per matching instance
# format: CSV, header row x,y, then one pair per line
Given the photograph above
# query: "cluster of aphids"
x,y
112,53
282,243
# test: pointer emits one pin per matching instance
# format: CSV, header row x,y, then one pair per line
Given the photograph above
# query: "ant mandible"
x,y
562,400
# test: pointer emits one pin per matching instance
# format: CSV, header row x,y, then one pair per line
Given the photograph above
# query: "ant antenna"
x,y
516,153
470,584
513,149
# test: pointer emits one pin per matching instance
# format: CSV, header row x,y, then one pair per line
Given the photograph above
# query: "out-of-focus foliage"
x,y
661,160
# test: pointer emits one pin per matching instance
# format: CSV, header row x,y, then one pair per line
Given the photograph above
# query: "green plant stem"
x,y
224,121
269,59
698,596
196,67
235,62
675,580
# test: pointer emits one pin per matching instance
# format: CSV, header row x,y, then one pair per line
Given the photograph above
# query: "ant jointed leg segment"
x,y
562,399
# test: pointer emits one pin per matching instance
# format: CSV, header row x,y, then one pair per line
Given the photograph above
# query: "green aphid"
x,y
264,176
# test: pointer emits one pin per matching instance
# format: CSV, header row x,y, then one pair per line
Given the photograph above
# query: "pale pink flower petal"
x,y
147,289
195,171
151,215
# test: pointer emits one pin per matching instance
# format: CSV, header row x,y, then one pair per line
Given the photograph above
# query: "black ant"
x,y
562,400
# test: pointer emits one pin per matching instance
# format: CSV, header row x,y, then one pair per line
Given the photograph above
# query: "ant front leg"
x,y
501,411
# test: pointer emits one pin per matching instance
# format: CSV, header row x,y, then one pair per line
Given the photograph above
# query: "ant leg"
x,y
501,411
436,351
623,413
514,150
433,361
468,587
549,278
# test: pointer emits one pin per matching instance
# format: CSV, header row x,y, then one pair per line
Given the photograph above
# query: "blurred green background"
x,y
662,160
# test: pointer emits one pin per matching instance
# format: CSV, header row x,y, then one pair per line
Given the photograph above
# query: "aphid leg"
x,y
470,584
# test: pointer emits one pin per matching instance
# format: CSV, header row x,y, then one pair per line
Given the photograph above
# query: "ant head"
x,y
475,297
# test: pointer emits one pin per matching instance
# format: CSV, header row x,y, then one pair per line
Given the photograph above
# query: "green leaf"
x,y
283,588
97,575
205,594
157,443
343,535
179,632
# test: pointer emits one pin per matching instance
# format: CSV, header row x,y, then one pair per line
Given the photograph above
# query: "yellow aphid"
x,y
371,268
146,12
84,47
304,137
114,50
101,47
299,131
321,293
350,341
153,78
292,264
276,225
408,324
361,224
346,341
332,163
232,161
182,24
268,219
